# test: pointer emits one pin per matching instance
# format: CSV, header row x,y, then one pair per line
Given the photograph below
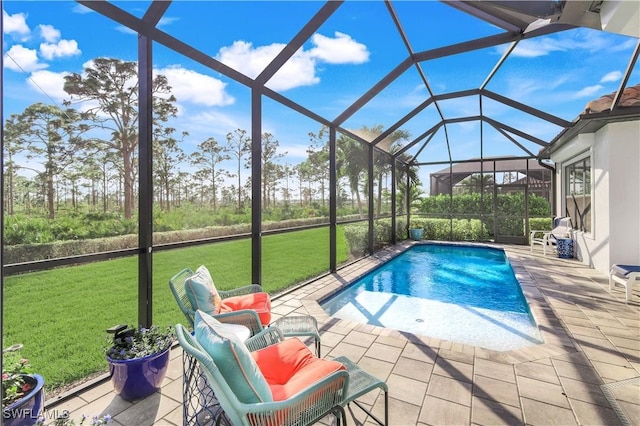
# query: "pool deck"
x,y
586,373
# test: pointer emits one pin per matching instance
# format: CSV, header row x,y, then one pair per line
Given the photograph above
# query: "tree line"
x,y
85,153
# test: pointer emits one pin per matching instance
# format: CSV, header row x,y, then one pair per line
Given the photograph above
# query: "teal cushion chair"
x,y
246,317
280,383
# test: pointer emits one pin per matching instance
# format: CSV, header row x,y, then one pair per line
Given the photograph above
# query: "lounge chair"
x,y
248,316
625,275
293,325
561,227
280,383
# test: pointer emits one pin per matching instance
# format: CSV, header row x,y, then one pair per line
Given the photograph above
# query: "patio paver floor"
x,y
586,372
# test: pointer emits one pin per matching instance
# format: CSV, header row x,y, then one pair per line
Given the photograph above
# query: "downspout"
x,y
553,181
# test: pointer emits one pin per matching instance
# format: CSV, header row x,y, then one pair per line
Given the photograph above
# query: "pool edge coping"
x,y
333,283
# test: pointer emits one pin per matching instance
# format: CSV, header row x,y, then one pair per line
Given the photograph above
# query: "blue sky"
x,y
353,50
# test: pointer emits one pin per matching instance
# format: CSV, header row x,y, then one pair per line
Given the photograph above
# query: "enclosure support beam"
x,y
394,238
333,200
256,185
145,189
370,196
1,183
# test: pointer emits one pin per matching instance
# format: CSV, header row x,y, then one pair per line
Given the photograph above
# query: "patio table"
x,y
299,326
361,383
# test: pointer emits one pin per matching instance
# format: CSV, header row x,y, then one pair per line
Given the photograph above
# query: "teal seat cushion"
x,y
233,359
202,293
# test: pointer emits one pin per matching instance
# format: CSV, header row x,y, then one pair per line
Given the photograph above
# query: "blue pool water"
x,y
465,294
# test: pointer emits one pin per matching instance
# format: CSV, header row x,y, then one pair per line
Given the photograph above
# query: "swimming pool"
x,y
460,293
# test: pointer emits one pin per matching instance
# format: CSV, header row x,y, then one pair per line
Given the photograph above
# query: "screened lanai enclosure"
x,y
275,141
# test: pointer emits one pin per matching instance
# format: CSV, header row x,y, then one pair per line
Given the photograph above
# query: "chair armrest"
x,y
323,397
267,337
241,291
247,317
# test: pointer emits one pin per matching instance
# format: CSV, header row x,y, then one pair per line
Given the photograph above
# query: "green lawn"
x,y
61,315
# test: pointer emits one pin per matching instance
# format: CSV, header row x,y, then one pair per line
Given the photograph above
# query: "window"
x,y
578,193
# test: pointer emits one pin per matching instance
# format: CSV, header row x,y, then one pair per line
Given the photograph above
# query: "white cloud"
x,y
301,68
589,91
520,88
534,48
610,77
15,24
49,33
190,86
339,50
51,83
167,20
81,9
578,39
297,151
242,56
211,123
298,71
60,49
19,58
125,30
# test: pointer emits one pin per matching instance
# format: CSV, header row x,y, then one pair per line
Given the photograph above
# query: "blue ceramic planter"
x,y
416,233
25,411
140,377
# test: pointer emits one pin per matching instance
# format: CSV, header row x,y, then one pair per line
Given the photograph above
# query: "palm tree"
x,y
352,163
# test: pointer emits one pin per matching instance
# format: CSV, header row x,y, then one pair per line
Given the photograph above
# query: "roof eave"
x,y
589,123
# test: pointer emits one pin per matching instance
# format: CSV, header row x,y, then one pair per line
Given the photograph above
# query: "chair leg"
x,y
611,282
386,408
339,413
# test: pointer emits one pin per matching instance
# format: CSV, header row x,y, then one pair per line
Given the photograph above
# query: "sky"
x,y
351,52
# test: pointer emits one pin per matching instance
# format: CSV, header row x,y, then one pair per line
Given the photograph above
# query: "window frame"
x,y
569,170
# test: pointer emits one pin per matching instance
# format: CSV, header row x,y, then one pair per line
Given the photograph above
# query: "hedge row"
x,y
34,252
473,204
356,235
433,229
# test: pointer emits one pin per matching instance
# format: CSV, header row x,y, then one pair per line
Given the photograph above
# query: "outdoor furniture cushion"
x,y
233,359
202,293
259,302
625,275
289,367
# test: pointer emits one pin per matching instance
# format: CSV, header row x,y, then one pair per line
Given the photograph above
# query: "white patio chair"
x,y
625,275
562,228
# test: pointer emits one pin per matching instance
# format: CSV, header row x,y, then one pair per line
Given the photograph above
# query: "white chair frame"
x,y
548,238
627,280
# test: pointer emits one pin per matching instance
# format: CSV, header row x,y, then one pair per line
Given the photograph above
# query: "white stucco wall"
x,y
615,168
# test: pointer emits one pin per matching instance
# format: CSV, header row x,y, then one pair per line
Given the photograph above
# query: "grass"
x,y
61,315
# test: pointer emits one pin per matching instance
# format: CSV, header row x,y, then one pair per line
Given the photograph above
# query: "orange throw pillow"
x,y
289,367
259,302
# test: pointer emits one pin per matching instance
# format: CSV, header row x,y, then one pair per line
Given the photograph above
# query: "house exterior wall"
x,y
615,193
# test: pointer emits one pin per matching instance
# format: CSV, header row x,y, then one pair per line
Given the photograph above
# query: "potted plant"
x,y
22,392
415,231
138,359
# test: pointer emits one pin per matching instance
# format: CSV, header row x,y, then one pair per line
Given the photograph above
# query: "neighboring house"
x,y
523,171
597,163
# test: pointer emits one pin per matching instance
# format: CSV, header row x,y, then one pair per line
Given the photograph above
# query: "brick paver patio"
x,y
586,373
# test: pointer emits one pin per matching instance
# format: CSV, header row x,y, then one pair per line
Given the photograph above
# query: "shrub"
x,y
356,235
444,205
455,229
540,223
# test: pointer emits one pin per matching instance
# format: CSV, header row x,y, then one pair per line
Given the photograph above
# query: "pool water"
x,y
465,294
